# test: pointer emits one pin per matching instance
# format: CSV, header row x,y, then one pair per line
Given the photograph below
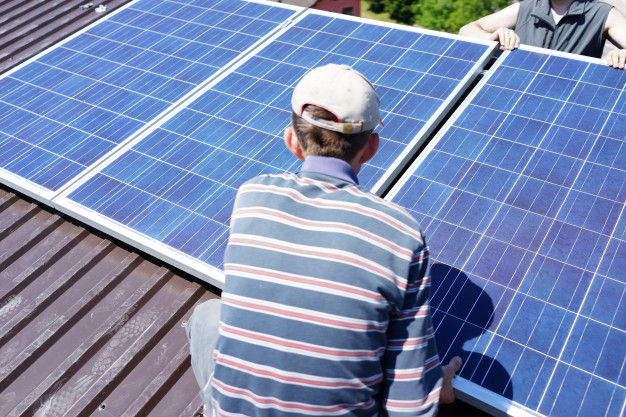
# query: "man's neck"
x,y
559,8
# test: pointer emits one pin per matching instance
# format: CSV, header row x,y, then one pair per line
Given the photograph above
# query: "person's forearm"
x,y
474,30
507,38
616,32
615,28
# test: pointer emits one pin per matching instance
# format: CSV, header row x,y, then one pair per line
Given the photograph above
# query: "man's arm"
x,y
496,27
414,383
615,30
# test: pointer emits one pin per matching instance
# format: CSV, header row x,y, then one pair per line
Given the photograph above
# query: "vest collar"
x,y
543,11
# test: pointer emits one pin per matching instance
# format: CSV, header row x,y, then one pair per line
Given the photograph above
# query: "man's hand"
x,y
447,392
507,38
617,58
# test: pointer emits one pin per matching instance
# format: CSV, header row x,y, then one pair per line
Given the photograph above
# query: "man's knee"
x,y
205,318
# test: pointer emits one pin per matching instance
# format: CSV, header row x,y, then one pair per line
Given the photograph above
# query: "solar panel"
x,y
522,199
65,109
173,191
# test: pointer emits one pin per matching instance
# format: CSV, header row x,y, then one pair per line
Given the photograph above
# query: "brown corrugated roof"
x,y
29,26
88,326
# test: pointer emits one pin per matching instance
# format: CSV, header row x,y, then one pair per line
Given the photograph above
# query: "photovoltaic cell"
x,y
67,108
522,200
178,184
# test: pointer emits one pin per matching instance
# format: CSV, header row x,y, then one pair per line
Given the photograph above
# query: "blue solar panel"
x,y
67,108
191,166
522,199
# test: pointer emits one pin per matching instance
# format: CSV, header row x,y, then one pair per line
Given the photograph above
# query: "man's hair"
x,y
317,141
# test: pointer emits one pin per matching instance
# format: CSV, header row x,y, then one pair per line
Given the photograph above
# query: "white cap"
x,y
344,92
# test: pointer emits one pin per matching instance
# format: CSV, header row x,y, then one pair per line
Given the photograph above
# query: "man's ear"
x,y
370,148
292,143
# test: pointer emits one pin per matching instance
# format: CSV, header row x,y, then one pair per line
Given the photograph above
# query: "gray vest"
x,y
580,31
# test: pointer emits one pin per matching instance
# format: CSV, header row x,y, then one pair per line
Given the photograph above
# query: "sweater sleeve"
x,y
413,373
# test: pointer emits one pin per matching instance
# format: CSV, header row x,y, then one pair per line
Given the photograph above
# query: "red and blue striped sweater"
x,y
325,307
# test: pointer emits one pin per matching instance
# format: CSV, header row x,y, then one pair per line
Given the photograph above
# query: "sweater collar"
x,y
327,165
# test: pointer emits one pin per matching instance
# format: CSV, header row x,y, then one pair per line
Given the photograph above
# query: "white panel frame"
x,y
44,194
488,401
466,390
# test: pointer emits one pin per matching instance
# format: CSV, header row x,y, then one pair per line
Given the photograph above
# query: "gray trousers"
x,y
202,332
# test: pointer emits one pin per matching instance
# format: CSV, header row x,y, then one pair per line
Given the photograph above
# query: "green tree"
x,y
376,6
401,11
450,15
445,15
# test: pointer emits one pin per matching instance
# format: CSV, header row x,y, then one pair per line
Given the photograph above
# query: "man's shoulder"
x,y
389,207
393,216
348,202
601,5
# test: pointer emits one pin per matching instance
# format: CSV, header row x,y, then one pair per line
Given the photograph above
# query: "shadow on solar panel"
x,y
522,195
471,311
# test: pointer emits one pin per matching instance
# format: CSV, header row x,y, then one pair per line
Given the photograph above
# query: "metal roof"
x,y
86,325
29,26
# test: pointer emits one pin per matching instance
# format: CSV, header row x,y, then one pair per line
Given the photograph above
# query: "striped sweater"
x,y
325,306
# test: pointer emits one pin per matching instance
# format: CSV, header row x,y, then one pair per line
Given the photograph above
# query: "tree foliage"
x,y
445,15
376,6
401,10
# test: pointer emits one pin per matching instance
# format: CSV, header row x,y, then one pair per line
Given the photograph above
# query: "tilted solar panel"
x,y
172,192
66,108
522,199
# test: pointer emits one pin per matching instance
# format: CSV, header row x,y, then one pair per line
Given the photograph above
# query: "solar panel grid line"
x,y
464,266
358,59
542,216
578,313
68,38
163,251
596,133
168,54
145,244
40,192
451,121
556,306
554,99
424,155
429,123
